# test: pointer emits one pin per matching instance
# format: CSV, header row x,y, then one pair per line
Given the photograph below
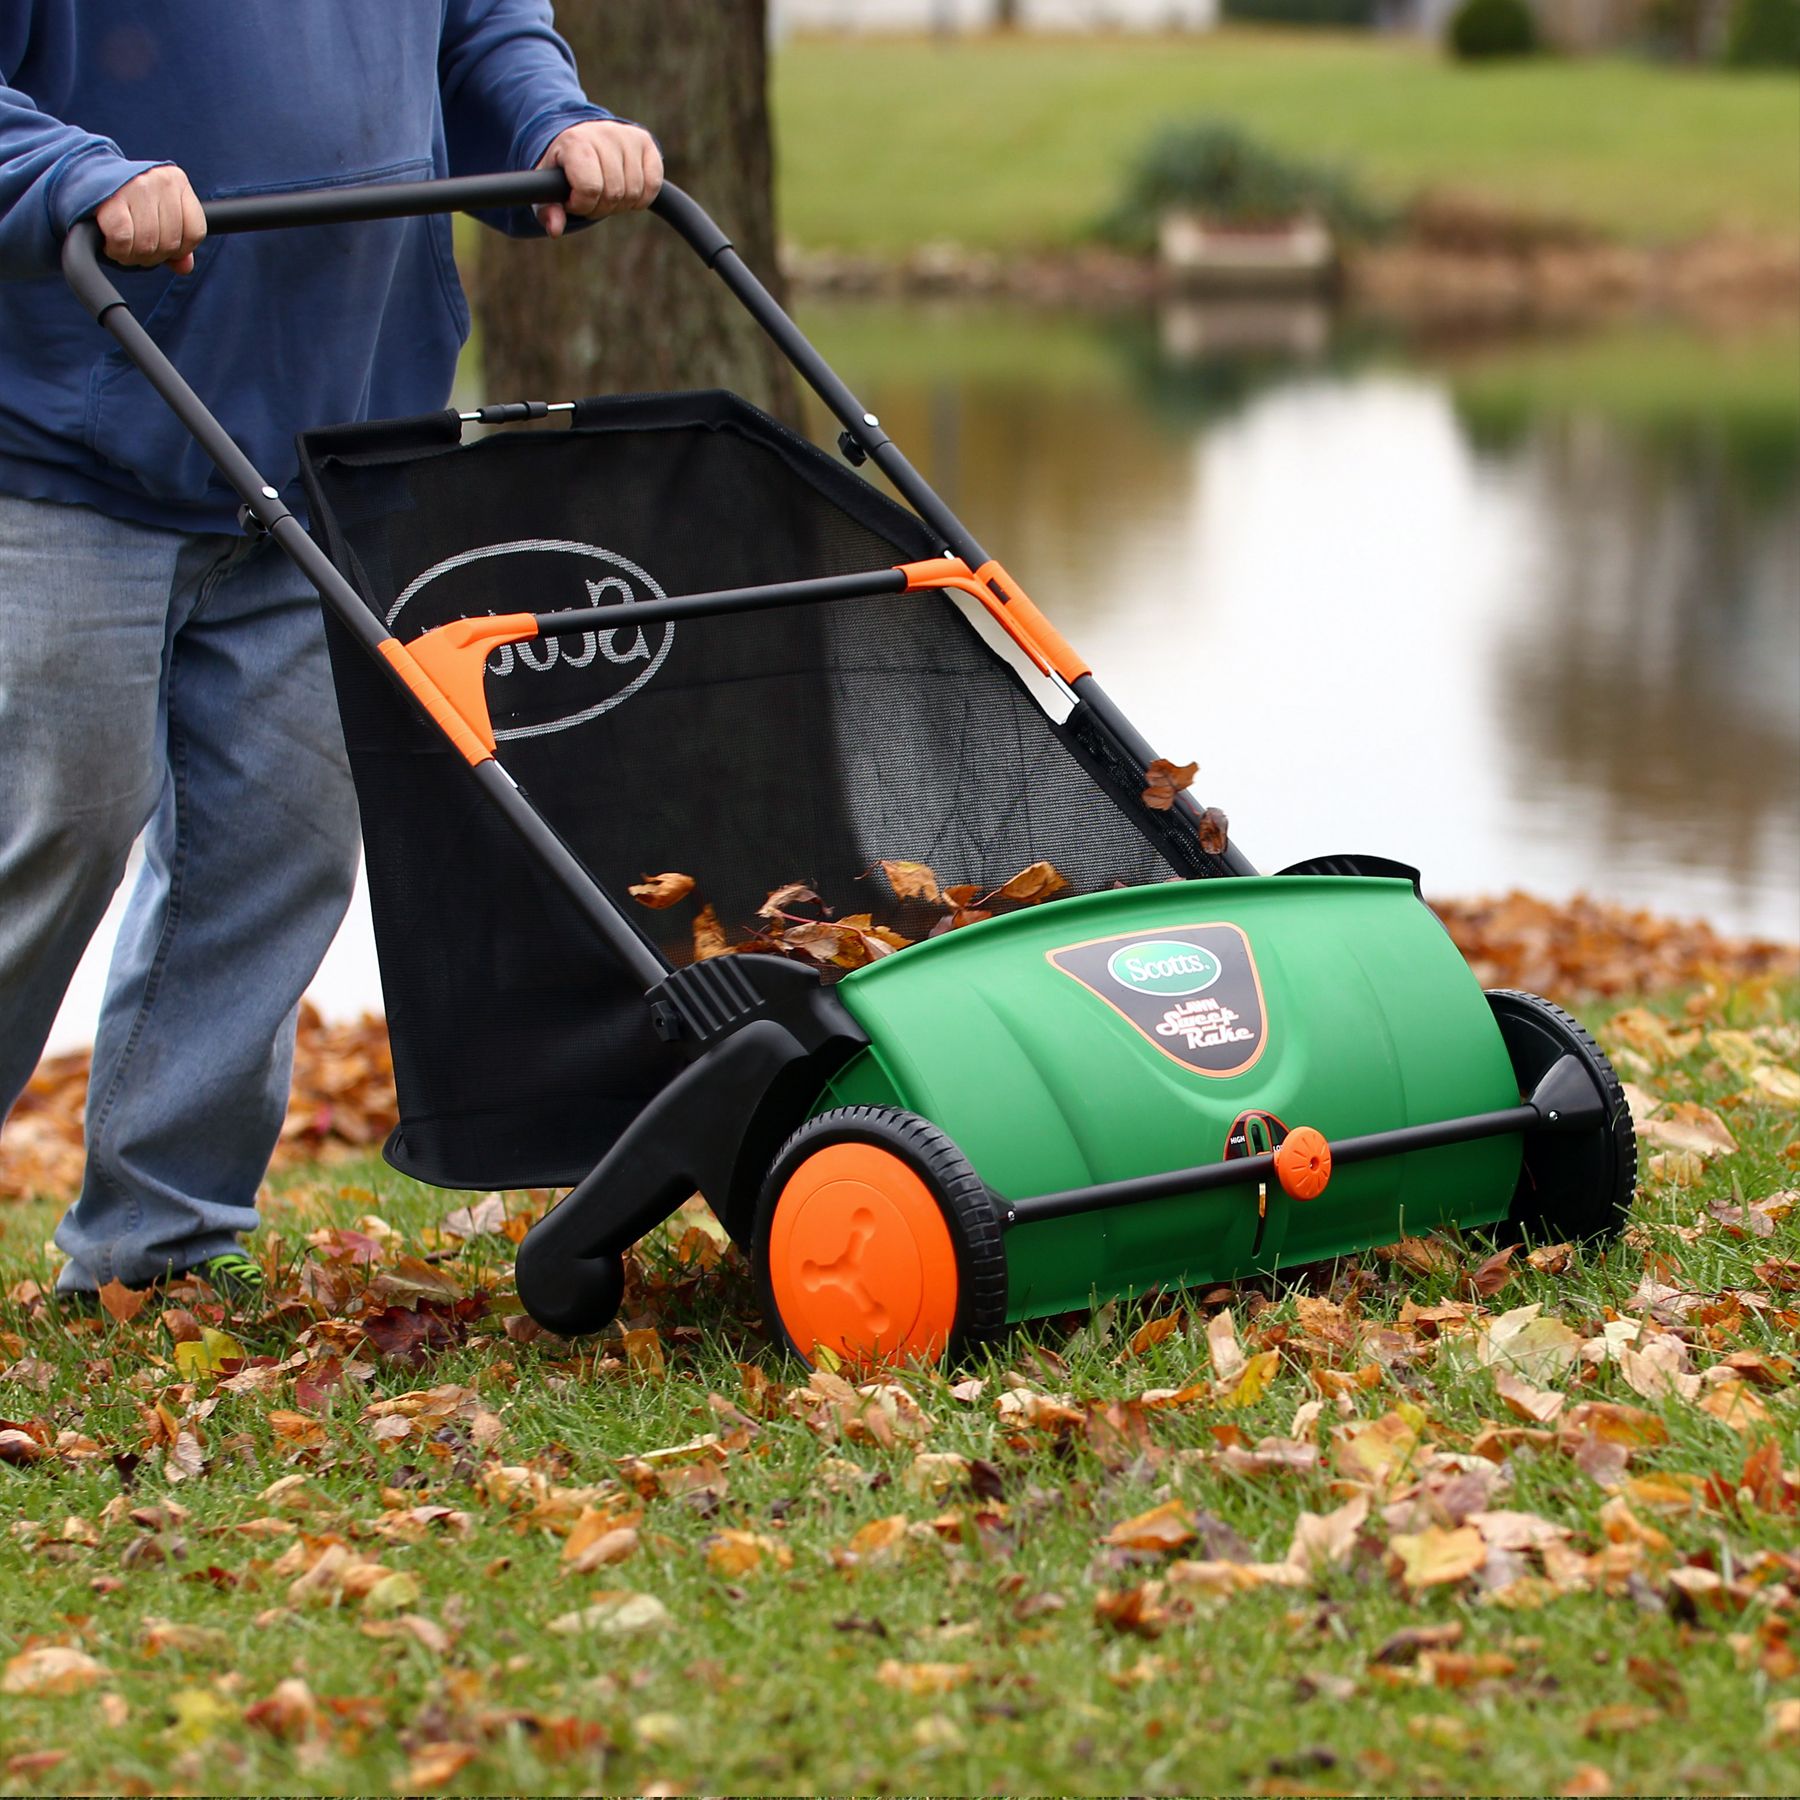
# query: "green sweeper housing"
x,y
674,635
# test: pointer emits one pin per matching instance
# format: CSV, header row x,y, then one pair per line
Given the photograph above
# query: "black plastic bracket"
x,y
1379,867
853,452
766,1036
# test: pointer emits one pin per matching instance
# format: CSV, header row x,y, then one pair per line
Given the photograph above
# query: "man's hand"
x,y
611,168
155,218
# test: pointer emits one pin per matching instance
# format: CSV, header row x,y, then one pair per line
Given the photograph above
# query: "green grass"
x,y
1007,146
770,1681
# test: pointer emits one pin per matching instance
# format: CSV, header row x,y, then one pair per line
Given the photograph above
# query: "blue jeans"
x,y
176,685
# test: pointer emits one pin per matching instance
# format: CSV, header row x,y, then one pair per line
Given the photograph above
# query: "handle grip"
x,y
85,269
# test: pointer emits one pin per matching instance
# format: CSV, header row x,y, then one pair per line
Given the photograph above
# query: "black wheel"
x,y
1574,1185
876,1239
569,1295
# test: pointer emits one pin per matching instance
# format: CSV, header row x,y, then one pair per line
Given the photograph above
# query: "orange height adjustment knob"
x,y
1303,1163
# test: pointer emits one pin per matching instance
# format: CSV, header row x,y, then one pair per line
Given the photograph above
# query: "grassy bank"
x,y
886,145
383,1539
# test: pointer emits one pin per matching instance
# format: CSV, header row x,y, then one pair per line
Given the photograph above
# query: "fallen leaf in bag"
x,y
53,1669
658,891
1215,832
709,936
784,899
1030,885
1164,780
914,881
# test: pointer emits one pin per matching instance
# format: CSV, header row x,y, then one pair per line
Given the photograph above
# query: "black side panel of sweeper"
x,y
800,744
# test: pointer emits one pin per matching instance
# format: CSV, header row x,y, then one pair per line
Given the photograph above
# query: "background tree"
x,y
625,306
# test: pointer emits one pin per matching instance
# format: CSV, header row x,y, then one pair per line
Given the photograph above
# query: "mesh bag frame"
x,y
803,743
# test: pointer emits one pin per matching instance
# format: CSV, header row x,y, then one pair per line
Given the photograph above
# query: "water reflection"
x,y
1526,615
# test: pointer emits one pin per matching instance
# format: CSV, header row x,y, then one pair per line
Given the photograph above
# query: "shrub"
x,y
1764,34
1215,169
1484,29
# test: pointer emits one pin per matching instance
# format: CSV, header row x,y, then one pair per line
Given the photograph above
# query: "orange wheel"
x,y
1303,1163
864,1243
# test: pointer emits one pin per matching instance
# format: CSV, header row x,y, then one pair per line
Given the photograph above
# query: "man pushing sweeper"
x,y
160,672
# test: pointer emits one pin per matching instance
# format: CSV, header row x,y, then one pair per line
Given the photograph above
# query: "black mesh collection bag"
x,y
804,743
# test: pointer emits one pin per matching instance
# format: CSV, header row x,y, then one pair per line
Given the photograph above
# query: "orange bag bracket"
x,y
1014,610
444,668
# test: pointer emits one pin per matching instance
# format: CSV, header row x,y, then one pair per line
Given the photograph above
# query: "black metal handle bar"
x,y
88,277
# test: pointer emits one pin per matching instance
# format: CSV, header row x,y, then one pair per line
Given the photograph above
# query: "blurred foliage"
x,y
1484,30
1220,171
1333,14
1764,34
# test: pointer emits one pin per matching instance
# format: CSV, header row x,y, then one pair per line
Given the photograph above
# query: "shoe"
x,y
236,1278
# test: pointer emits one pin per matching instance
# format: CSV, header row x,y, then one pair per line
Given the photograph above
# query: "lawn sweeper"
x,y
666,633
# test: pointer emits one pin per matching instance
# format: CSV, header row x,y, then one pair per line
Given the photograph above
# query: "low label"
x,y
1192,990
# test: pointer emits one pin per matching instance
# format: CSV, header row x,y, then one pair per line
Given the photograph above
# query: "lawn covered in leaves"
x,y
1437,1519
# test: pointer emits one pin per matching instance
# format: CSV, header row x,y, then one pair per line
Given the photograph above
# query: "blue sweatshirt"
x,y
277,331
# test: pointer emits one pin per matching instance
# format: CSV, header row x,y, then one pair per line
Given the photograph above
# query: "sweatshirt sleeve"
x,y
510,88
51,174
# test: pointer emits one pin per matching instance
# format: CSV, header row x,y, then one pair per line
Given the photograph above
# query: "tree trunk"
x,y
625,306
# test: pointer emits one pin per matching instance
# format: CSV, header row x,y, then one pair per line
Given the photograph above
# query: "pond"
x,y
1522,614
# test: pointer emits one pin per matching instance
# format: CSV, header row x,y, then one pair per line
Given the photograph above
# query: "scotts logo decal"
x,y
1162,966
1192,990
554,683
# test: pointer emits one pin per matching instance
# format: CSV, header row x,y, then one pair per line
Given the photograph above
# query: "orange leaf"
x,y
913,881
1434,1555
1164,780
1030,885
924,1678
658,891
1165,1527
709,936
122,1303
1152,1332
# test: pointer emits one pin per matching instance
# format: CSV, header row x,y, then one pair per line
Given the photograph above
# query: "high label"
x,y
554,683
1192,990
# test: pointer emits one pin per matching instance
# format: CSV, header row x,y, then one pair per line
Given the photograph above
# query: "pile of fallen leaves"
x,y
341,1104
1581,949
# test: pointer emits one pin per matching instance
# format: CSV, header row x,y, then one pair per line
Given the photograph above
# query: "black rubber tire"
x,y
961,1194
1574,1186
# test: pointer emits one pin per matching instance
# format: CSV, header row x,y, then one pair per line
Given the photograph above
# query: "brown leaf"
x,y
924,1677
51,1669
1409,1645
437,1765
1030,885
123,1304
709,936
1493,1274
735,1553
1686,1125
1165,1527
1133,1609
914,881
289,1712
1153,1332
1540,1405
1215,832
659,891
785,899
1164,780
1434,1555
